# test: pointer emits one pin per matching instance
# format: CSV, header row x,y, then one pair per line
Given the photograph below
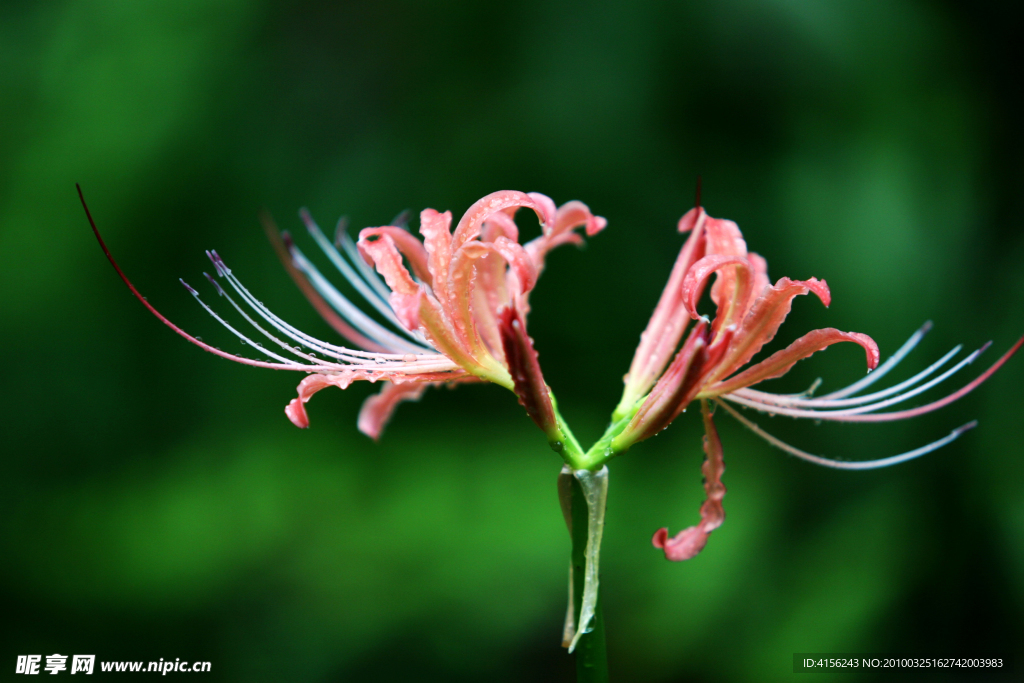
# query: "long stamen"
x,y
353,336
289,330
408,363
350,311
885,367
854,414
177,330
284,345
419,365
372,296
779,400
245,340
935,405
845,464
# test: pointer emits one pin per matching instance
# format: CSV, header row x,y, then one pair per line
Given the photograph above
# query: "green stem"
x,y
591,658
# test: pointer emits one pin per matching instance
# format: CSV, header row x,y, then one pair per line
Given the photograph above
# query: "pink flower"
x,y
459,316
712,364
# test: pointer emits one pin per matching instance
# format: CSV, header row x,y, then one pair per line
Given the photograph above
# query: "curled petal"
x,y
763,320
521,263
697,275
410,247
693,218
759,281
688,542
547,212
668,322
490,295
724,237
500,224
472,318
378,408
437,241
470,225
296,408
573,214
380,248
779,363
528,380
416,309
568,217
538,248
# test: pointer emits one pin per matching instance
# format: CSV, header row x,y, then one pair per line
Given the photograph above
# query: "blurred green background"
x,y
157,503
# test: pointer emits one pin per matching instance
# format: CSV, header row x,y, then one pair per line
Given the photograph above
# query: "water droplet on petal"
x,y
409,357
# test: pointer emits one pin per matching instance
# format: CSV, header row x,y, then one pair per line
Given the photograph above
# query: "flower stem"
x,y
591,658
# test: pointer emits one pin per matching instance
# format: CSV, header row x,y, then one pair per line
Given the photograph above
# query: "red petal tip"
x,y
820,287
596,225
296,412
689,219
686,545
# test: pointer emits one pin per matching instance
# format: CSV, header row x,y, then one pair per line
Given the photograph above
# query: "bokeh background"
x,y
156,502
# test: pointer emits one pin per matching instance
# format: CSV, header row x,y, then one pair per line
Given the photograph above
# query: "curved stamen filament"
x,y
281,325
779,400
364,323
885,367
340,353
160,316
420,365
373,296
850,414
845,464
242,337
284,345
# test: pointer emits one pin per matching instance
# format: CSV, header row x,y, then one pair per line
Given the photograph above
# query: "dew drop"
x,y
409,357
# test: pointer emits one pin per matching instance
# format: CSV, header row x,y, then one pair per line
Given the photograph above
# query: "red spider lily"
x,y
459,317
711,364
